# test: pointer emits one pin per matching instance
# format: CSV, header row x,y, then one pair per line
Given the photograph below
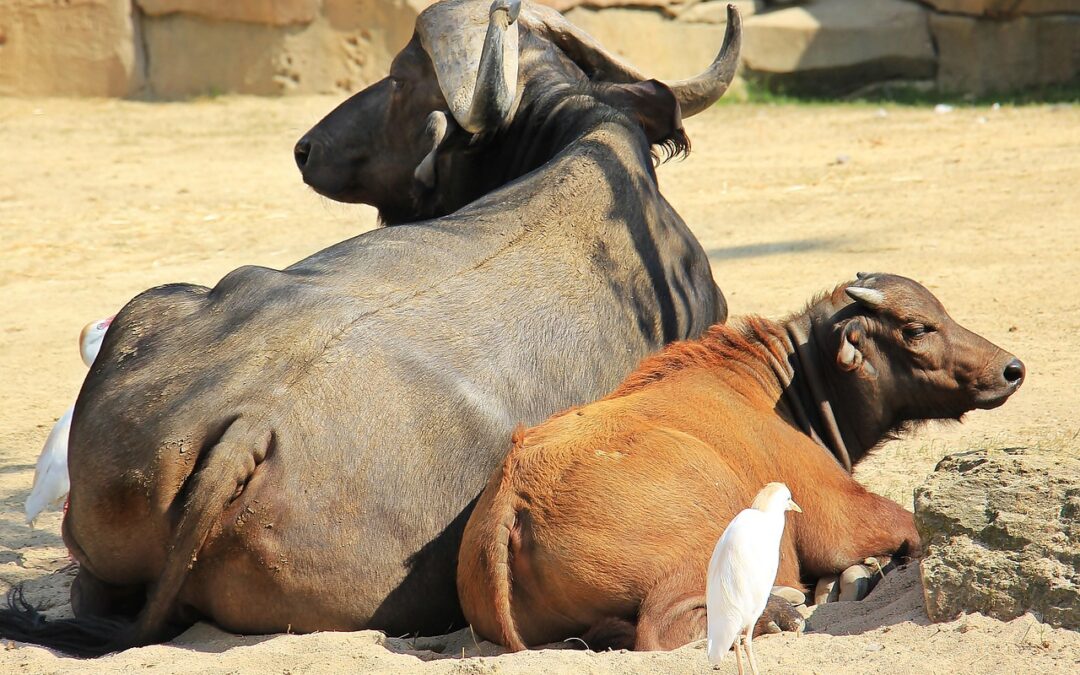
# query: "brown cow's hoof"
x,y
826,590
856,582
780,616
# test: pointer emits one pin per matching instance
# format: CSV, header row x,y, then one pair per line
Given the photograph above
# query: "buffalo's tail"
x,y
226,468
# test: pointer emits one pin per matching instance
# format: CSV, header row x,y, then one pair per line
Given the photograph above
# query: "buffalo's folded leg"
x,y
91,596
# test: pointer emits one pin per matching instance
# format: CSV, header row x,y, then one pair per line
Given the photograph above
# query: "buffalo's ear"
x,y
653,105
851,354
439,128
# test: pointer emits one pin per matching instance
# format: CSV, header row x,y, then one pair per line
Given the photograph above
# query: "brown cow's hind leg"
x,y
673,613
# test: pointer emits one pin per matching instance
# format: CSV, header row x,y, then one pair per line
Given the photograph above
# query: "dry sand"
x,y
102,199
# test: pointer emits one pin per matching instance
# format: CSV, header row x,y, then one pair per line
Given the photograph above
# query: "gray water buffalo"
x,y
300,448
399,146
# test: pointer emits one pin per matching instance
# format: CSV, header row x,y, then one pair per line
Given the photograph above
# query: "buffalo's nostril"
x,y
1014,371
301,152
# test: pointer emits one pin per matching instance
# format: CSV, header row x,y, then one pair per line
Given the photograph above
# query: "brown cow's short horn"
x,y
870,297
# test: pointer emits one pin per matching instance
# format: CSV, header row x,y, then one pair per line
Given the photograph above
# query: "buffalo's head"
x,y
460,80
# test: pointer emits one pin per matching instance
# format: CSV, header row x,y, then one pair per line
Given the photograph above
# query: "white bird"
x,y
51,475
742,572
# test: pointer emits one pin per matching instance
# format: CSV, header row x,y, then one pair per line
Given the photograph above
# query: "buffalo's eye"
x,y
915,331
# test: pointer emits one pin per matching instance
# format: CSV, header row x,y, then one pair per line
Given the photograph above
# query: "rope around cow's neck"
x,y
800,345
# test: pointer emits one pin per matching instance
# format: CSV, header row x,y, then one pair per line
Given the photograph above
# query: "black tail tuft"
x,y
84,638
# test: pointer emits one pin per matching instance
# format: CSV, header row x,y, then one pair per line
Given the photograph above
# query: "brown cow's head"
x,y
468,70
901,358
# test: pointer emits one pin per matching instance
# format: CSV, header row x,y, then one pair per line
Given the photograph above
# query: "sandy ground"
x,y
102,199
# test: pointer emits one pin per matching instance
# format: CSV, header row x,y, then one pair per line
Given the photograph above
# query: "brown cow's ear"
x,y
850,355
653,105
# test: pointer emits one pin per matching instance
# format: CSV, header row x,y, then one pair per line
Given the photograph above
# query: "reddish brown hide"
x,y
607,514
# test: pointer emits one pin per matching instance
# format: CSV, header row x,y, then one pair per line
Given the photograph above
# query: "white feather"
x,y
51,482
51,475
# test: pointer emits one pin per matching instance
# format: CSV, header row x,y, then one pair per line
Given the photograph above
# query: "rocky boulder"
x,y
273,12
71,48
1002,531
302,46
980,56
827,47
660,47
1004,9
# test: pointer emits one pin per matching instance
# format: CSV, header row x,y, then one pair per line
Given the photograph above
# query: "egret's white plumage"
x,y
742,572
51,475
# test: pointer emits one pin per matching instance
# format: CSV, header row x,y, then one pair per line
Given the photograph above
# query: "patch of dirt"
x,y
100,200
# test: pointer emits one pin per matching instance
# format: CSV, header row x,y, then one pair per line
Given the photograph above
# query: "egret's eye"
x,y
915,331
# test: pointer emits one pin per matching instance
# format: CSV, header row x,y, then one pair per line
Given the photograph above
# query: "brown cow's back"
x,y
588,489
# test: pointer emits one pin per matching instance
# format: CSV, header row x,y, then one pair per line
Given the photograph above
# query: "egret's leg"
x,y
738,656
748,644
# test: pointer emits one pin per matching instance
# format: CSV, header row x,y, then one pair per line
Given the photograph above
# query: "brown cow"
x,y
609,511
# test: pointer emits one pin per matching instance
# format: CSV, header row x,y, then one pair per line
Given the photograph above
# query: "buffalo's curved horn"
x,y
698,93
477,71
870,297
694,95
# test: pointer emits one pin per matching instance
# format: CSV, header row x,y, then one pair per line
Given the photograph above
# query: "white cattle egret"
x,y
51,475
90,339
742,573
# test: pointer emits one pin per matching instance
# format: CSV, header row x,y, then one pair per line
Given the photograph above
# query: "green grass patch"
x,y
900,94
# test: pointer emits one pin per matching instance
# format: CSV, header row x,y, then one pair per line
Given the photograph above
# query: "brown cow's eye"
x,y
914,331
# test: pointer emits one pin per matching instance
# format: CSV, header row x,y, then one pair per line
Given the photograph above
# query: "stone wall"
x,y
180,48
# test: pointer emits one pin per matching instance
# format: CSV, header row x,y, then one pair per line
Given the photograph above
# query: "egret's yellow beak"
x,y
792,506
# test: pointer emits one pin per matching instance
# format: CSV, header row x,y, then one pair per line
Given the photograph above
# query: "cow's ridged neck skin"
x,y
805,393
811,393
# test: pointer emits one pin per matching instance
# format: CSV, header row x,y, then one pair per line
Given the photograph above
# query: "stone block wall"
x,y
182,48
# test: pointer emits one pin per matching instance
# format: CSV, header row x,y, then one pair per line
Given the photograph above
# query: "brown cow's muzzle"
x,y
1008,380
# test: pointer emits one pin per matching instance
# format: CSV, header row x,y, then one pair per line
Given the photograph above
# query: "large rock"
x,y
69,48
827,47
657,46
715,11
347,46
273,12
980,56
1002,9
669,7
1002,530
